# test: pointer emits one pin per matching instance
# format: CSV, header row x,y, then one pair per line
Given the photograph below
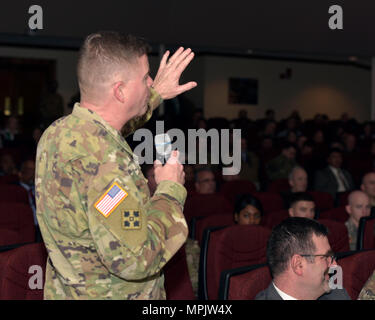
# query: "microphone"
x,y
163,146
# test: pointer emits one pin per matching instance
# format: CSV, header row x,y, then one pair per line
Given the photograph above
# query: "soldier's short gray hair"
x,y
105,53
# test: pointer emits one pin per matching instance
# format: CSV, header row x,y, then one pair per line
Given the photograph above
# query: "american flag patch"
x,y
110,200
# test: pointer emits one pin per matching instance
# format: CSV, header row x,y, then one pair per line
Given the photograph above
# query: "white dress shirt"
x,y
283,295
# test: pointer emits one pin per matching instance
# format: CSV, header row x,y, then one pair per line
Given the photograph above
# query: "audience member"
x,y
249,164
333,178
358,206
205,182
148,172
302,205
280,167
299,257
7,165
368,186
298,183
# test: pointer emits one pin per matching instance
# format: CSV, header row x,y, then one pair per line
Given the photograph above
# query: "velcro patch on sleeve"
x,y
110,200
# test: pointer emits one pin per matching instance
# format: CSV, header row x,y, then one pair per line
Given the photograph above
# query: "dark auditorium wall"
x,y
313,88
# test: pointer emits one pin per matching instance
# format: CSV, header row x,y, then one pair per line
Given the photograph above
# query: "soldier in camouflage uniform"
x,y
358,207
106,237
368,290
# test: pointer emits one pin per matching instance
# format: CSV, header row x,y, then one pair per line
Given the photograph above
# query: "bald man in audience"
x,y
358,207
368,186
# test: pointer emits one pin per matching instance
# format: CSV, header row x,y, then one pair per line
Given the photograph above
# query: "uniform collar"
x,y
89,115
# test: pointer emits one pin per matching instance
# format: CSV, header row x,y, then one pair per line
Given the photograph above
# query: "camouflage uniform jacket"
x,y
368,290
94,254
352,233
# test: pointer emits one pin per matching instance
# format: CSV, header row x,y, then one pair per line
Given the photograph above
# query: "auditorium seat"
x,y
231,189
271,202
15,276
323,200
215,220
337,214
356,269
202,205
17,219
244,283
9,179
13,193
342,198
227,248
177,281
365,233
337,235
278,185
272,219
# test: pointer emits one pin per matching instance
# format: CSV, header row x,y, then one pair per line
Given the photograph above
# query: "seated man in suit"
x,y
299,257
302,205
333,178
298,181
205,182
358,206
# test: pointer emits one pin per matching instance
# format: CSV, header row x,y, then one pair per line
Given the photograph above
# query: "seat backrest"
x,y
13,193
177,281
233,247
337,235
206,205
337,214
215,220
18,219
272,219
9,179
17,275
356,269
323,200
231,189
247,285
278,185
365,233
271,202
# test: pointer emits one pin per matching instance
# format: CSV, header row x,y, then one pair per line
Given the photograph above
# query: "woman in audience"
x,y
247,210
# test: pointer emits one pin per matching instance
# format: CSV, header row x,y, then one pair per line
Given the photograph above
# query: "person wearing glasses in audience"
x,y
247,210
205,182
299,257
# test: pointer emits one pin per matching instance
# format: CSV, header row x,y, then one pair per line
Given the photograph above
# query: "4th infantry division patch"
x,y
131,220
110,200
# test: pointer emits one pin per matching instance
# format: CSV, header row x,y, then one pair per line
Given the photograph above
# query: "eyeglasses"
x,y
329,257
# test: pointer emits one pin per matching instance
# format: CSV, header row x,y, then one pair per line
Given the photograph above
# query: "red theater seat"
x,y
13,193
323,200
17,219
202,205
247,285
356,269
177,281
337,214
216,220
232,189
337,235
365,237
279,185
228,248
271,202
274,218
15,278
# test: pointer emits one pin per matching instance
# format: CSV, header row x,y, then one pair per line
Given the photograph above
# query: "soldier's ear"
x,y
119,91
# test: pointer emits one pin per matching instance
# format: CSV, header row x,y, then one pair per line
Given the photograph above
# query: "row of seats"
x,y
245,283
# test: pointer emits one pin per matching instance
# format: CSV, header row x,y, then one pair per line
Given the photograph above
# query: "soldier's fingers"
x,y
186,55
175,55
163,61
183,63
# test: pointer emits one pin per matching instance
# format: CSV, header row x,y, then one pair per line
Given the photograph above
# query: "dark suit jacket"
x,y
271,294
325,181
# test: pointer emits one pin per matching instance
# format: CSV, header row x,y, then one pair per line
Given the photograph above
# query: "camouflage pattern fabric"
x,y
368,290
352,233
193,251
95,254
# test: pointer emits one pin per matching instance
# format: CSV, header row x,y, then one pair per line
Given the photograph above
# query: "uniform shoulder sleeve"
x,y
134,235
